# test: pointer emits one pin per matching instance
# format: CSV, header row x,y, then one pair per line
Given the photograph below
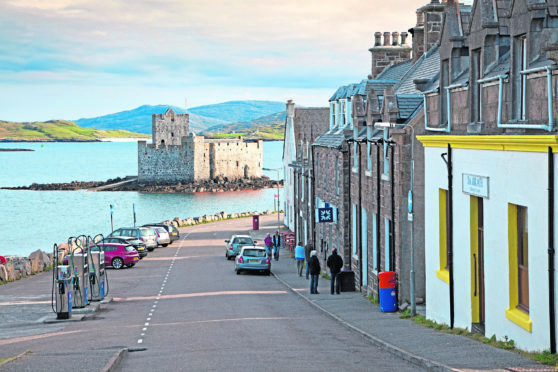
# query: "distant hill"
x,y
56,130
201,118
266,127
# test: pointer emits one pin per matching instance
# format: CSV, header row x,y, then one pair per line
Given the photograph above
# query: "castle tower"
x,y
169,128
390,52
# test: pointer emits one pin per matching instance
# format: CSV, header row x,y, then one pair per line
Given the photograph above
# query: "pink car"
x,y
116,255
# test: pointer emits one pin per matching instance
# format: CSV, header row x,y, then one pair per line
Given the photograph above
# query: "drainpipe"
x,y
350,205
360,211
450,232
551,309
377,143
313,201
550,126
392,222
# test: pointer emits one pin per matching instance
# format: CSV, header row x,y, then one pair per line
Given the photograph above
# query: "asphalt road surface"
x,y
183,308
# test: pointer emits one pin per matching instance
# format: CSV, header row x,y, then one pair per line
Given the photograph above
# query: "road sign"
x,y
410,201
325,214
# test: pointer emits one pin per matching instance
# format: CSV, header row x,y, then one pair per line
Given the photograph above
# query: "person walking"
x,y
268,244
299,257
276,245
315,269
335,263
308,248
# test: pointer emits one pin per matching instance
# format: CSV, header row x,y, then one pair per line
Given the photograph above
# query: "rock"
x,y
43,260
4,273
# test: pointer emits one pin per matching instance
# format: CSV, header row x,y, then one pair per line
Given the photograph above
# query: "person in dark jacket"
x,y
276,245
308,248
315,269
335,263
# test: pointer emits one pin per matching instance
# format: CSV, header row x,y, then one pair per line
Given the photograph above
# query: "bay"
x,y
34,220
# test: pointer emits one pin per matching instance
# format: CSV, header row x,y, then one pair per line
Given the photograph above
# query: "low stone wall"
x,y
190,221
20,267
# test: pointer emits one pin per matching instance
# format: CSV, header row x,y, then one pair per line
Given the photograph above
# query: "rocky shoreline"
x,y
216,185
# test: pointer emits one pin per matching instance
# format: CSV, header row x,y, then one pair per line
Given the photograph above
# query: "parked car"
x,y
173,231
136,243
145,234
116,255
235,243
253,258
163,238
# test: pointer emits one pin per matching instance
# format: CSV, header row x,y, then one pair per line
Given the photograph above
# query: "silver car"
x,y
252,258
163,237
145,234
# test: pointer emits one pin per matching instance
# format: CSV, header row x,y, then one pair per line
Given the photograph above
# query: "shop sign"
x,y
475,185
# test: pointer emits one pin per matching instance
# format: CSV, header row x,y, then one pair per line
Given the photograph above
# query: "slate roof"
x,y
317,118
395,71
427,67
503,67
408,104
333,138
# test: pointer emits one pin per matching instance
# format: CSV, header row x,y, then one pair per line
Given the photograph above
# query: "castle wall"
x,y
197,159
169,128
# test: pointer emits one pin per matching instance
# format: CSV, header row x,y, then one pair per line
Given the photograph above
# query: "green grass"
x,y
374,300
544,357
59,130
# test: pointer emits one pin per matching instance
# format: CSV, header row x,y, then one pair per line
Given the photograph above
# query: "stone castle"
x,y
176,156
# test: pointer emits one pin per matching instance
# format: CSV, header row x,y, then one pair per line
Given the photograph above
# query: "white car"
x,y
163,237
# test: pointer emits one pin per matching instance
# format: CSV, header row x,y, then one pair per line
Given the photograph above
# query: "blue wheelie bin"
x,y
388,299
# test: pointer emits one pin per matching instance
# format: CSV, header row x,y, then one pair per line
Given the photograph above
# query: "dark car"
x,y
173,231
136,243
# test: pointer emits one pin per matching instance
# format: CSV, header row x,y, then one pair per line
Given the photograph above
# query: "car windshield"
x,y
161,229
129,248
243,241
254,253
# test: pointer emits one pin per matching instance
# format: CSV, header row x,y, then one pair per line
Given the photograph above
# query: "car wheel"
x,y
268,272
237,272
164,245
150,249
131,264
117,263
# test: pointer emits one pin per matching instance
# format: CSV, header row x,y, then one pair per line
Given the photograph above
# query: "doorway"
x,y
477,265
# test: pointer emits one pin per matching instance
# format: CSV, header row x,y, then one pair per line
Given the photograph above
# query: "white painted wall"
x,y
514,177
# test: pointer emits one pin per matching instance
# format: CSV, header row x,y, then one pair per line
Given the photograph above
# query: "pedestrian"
x,y
314,264
335,263
268,244
299,257
276,245
308,248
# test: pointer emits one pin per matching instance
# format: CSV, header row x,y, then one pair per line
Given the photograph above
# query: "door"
x,y
477,265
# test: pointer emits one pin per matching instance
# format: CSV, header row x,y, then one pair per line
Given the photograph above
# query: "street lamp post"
x,y
410,202
278,199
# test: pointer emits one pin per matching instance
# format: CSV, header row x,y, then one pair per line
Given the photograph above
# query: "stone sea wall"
x,y
20,267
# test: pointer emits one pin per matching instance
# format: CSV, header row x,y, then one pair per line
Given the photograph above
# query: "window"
x,y
369,149
337,178
386,153
333,114
476,88
443,91
387,228
443,213
519,64
343,113
355,154
518,260
354,229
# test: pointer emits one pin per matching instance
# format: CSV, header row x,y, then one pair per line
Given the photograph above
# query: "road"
x,y
184,308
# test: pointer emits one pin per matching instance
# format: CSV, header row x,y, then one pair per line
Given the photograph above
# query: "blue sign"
x,y
325,214
410,201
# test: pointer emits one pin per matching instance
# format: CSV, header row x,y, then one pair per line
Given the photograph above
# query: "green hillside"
x,y
58,130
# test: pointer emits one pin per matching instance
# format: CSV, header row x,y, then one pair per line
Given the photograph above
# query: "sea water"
x,y
32,220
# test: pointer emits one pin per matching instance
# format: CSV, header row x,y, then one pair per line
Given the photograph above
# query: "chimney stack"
x,y
404,38
388,52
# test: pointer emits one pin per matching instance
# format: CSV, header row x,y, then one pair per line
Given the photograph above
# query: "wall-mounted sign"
x,y
475,185
325,214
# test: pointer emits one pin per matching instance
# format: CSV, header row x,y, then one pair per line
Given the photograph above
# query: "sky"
x,y
71,59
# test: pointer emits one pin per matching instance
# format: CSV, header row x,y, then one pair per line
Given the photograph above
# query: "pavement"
x,y
25,304
422,346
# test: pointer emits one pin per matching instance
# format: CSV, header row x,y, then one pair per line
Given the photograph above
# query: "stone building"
x,y
302,127
490,165
177,157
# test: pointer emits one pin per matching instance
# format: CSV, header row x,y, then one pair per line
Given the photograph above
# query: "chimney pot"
x,y
387,39
377,38
404,38
395,38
